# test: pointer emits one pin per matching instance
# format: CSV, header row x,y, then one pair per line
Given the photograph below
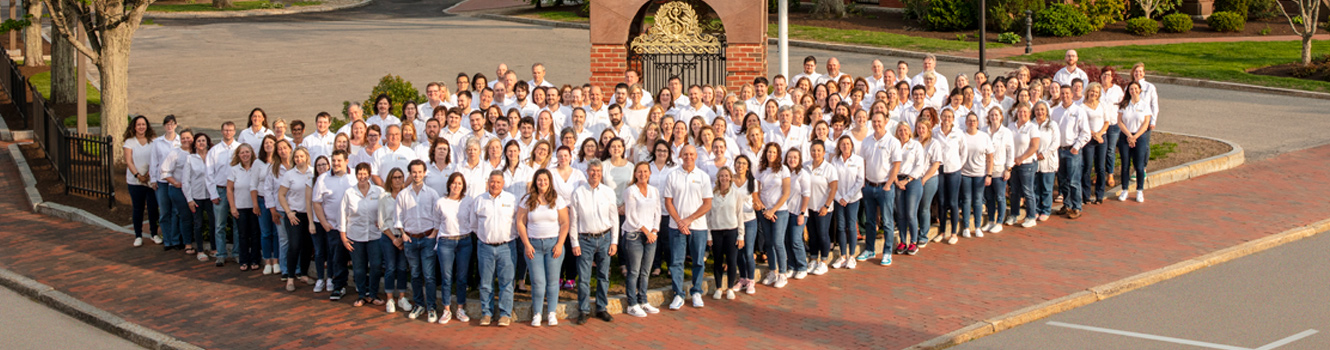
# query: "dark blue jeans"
x,y
972,201
167,210
1111,155
454,267
222,219
819,233
773,240
268,242
847,226
365,258
907,211
593,263
1093,170
396,271
950,189
1044,192
1134,158
1023,185
337,257
1069,179
202,221
496,265
639,256
420,255
693,244
182,222
924,214
995,198
879,205
796,253
144,198
747,264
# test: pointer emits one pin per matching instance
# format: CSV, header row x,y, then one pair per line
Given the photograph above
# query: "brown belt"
x,y
416,236
596,234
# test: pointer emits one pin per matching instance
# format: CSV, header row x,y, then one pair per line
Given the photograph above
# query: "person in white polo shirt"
x,y
1074,127
490,218
687,200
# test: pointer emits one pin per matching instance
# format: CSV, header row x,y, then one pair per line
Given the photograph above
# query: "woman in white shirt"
x,y
360,235
977,155
256,129
1004,152
746,186
635,113
1113,95
949,135
440,165
1027,139
727,236
618,169
199,190
1134,144
773,188
822,182
1048,161
662,163
241,193
454,248
928,173
642,209
642,147
796,254
293,199
396,271
516,173
173,172
1096,151
542,224
138,153
268,242
849,191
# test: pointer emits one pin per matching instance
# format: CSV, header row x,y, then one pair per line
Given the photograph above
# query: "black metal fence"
x,y
85,162
697,69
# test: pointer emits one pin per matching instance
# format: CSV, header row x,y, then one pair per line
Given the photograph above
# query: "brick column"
x,y
743,63
608,62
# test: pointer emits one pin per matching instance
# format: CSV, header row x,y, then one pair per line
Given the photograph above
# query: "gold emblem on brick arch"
x,y
676,32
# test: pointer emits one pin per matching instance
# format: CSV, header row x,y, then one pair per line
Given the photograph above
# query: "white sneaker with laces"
x,y
966,233
1140,196
697,300
433,317
157,239
781,282
553,318
391,306
461,315
677,303
636,311
1030,222
987,227
718,294
1011,220
267,269
535,320
769,279
138,241
801,274
649,308
1122,196
996,229
446,316
839,263
729,294
318,286
979,233
850,263
821,269
404,303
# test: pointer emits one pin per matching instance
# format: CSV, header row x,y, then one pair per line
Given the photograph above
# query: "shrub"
x,y
1225,21
1177,23
1161,7
1319,65
1142,26
1062,20
1239,7
1102,12
914,9
950,15
1261,9
1009,15
398,90
1009,38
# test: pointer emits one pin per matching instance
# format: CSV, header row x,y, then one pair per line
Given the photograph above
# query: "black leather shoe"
x,y
604,316
581,319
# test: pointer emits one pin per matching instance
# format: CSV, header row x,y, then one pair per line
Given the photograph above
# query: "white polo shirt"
x,y
385,160
688,189
879,154
491,218
328,191
590,211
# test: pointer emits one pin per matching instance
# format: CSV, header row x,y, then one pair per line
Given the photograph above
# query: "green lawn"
x,y
42,81
204,5
871,38
1210,61
562,16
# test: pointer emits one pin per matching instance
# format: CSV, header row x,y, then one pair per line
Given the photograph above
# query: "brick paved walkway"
x,y
943,289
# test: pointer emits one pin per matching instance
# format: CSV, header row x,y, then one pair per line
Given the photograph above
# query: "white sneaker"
x,y
697,300
1011,220
801,274
553,319
849,263
979,233
839,263
953,240
1122,196
729,294
138,241
391,306
966,233
987,227
781,282
717,294
157,239
1140,196
649,308
461,315
318,286
535,320
677,303
769,278
433,317
404,303
821,269
636,311
1030,222
996,229
446,316
267,269
327,284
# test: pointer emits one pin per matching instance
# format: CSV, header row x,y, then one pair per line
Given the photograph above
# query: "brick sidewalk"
x,y
941,290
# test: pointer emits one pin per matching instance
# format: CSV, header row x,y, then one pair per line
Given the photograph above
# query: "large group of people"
x,y
525,182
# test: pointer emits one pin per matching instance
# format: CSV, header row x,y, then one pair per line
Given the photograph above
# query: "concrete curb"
x,y
1232,159
252,13
29,181
55,209
1211,84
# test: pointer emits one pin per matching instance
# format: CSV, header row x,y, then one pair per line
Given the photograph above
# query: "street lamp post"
x,y
1029,34
784,34
983,36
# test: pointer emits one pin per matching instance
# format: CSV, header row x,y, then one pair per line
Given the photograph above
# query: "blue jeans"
x,y
638,256
144,198
747,266
268,242
1069,179
795,251
168,210
1111,140
222,219
496,265
879,205
773,241
420,255
182,222
847,226
995,197
819,233
950,188
544,267
972,201
595,250
1134,158
337,257
1023,178
321,253
907,211
201,217
1043,189
366,255
283,239
396,273
924,213
454,267
695,245
1092,158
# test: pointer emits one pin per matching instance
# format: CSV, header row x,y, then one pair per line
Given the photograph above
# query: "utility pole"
x,y
784,41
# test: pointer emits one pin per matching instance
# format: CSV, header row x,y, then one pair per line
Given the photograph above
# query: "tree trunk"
x,y
114,70
1307,48
221,4
32,36
64,76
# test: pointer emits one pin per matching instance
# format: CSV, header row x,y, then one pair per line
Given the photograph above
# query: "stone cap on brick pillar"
x,y
745,20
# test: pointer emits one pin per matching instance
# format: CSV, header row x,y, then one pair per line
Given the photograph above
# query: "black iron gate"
x,y
700,69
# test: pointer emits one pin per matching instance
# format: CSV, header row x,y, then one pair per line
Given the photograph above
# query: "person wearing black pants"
x,y
726,233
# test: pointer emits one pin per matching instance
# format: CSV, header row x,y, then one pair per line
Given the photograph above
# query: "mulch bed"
x,y
896,23
1189,149
1286,71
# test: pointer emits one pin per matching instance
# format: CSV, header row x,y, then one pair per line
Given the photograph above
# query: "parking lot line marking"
x,y
1290,339
1155,337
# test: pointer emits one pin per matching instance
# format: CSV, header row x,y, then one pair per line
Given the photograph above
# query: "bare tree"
x,y
64,77
110,27
829,8
1310,11
1148,6
32,36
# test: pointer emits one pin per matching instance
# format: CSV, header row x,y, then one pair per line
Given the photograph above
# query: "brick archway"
x,y
745,30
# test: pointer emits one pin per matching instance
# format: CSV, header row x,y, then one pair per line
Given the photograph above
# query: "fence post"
x,y
108,164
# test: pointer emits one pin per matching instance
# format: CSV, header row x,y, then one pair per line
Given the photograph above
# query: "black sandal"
x,y
359,302
244,267
190,251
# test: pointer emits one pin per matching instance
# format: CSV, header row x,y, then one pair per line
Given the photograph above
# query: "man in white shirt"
x,y
522,101
393,155
326,204
902,71
354,112
785,133
580,132
876,81
910,112
490,217
697,108
778,92
833,71
454,133
219,166
1075,132
810,71
501,96
676,88
419,225
632,77
526,140
687,200
484,100
434,94
621,129
320,143
930,64
1064,76
882,161
538,77
499,72
595,239
597,117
